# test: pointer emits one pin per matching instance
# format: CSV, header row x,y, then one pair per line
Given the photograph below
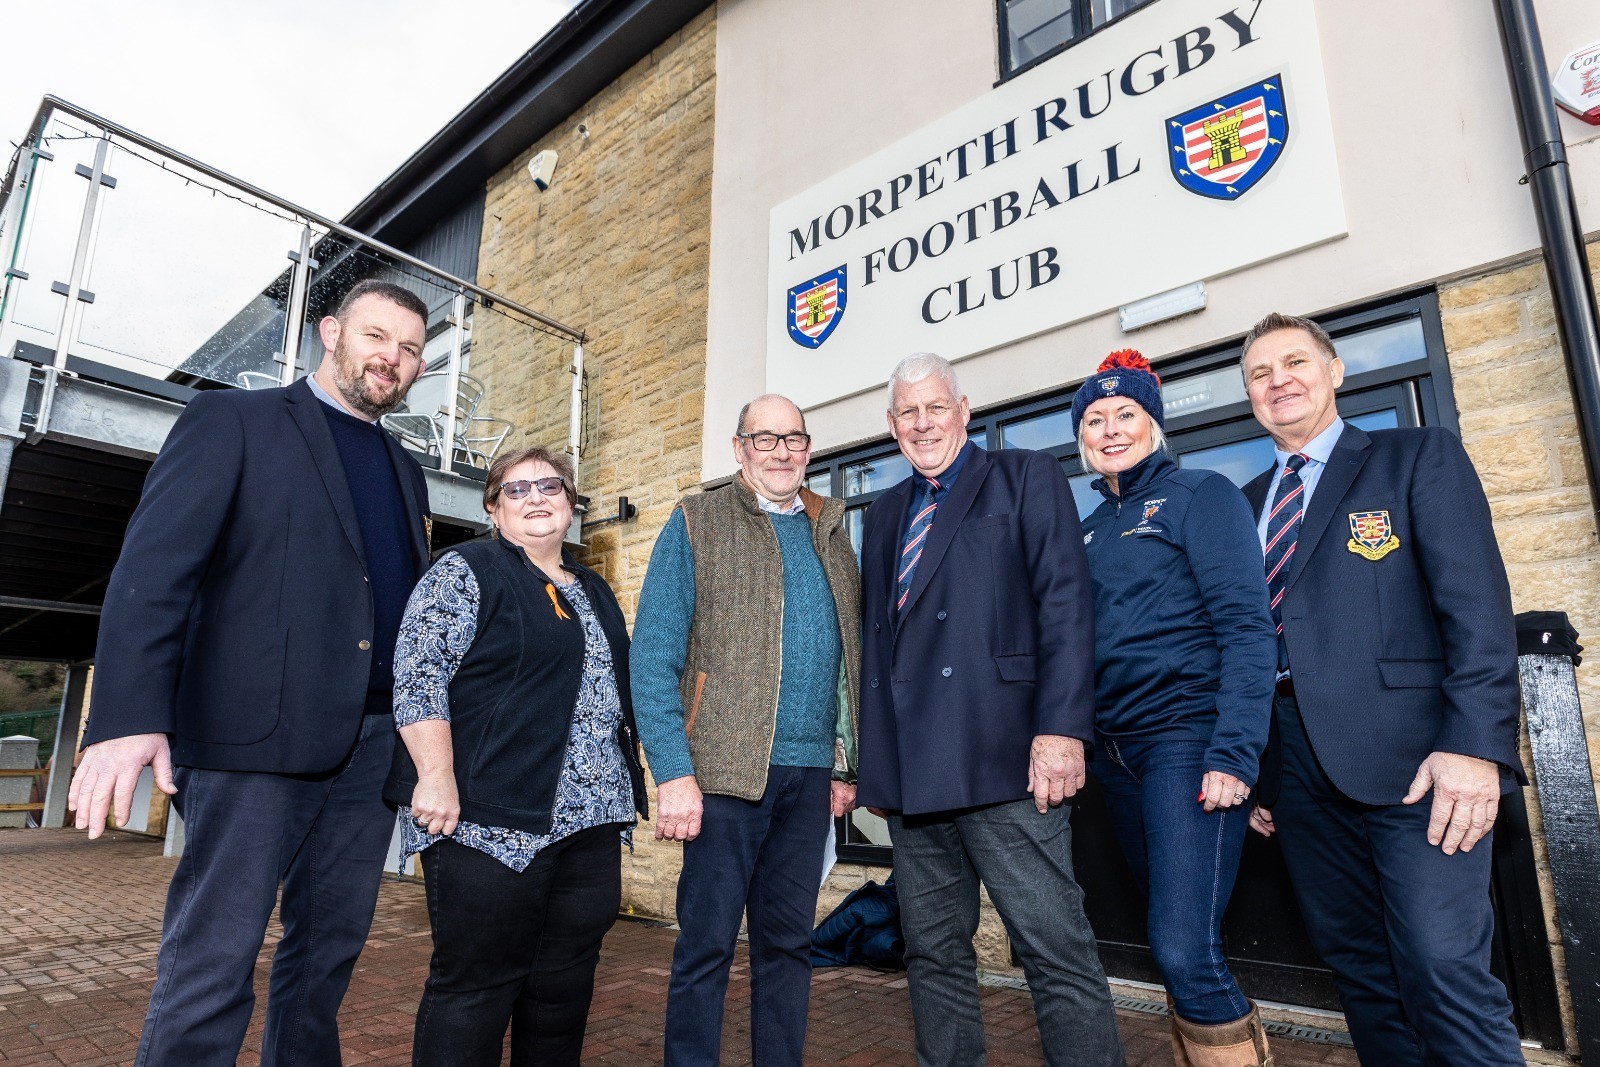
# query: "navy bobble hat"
x,y
1123,373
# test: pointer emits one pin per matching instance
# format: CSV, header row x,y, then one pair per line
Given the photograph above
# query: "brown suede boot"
x,y
1242,1043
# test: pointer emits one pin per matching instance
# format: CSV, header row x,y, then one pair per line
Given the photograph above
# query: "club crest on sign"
x,y
1223,147
1372,535
815,307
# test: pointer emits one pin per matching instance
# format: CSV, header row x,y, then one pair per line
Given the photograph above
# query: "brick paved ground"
x,y
79,927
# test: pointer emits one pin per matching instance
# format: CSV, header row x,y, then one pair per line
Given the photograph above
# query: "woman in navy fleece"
x,y
1185,662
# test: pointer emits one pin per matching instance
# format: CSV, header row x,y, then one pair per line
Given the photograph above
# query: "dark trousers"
x,y
324,838
1186,862
1025,860
763,859
515,948
1404,928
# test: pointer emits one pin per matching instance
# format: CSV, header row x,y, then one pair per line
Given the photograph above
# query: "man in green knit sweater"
x,y
745,660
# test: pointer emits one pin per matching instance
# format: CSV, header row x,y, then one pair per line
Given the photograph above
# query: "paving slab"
x,y
80,924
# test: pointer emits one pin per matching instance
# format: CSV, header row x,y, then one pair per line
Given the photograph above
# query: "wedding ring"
x,y
1240,798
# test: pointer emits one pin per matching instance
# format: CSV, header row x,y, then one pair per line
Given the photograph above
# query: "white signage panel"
x,y
1186,141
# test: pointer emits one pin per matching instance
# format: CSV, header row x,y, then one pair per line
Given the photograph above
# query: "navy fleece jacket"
x,y
1184,641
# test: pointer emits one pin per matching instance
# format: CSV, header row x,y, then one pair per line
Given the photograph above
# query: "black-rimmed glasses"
x,y
763,441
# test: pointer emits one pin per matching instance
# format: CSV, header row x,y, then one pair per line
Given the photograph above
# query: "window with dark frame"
x,y
1395,375
1032,30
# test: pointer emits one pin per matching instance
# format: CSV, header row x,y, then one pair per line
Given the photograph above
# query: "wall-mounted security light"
x,y
1163,306
541,168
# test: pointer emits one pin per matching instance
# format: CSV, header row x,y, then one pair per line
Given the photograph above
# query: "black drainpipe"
x,y
1544,154
1565,787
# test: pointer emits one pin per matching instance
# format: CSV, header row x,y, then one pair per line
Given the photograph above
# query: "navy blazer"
x,y
239,619
994,646
1410,653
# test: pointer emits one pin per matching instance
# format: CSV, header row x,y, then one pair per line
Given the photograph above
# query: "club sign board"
x,y
1186,141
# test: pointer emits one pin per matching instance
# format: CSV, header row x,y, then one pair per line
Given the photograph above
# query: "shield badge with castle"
x,y
1223,147
816,306
1372,534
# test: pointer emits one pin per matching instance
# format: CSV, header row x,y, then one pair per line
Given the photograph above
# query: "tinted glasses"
x,y
522,487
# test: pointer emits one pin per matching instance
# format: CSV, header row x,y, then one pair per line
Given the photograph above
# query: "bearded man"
x,y
245,655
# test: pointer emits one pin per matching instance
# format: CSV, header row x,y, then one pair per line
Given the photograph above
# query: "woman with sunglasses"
x,y
518,777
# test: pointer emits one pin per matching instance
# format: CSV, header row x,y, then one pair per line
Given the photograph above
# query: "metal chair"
x,y
420,422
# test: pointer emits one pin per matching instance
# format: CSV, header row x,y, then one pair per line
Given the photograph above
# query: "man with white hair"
x,y
977,699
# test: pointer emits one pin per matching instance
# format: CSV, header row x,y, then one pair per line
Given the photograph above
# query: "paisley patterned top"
x,y
441,622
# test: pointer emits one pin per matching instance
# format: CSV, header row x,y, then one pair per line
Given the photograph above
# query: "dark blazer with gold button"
x,y
994,646
1397,615
239,619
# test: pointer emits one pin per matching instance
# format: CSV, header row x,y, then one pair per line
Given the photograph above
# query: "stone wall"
x,y
1518,423
617,247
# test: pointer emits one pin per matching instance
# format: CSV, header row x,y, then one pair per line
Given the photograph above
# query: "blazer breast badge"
x,y
1372,535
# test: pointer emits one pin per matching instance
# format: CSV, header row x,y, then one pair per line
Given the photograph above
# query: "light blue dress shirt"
x,y
1316,453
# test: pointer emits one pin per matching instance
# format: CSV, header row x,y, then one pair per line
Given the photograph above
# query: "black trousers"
x,y
517,949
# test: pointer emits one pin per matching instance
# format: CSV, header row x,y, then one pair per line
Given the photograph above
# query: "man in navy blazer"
x,y
977,699
245,654
1397,680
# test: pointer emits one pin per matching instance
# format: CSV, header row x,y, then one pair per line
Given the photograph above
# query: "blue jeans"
x,y
1185,861
1404,928
1024,859
763,858
323,838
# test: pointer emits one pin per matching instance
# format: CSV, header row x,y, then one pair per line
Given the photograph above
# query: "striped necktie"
x,y
1283,531
916,539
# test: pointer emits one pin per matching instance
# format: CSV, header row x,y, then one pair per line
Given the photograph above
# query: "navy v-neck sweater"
x,y
385,540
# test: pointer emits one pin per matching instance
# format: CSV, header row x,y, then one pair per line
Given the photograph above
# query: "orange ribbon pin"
x,y
550,591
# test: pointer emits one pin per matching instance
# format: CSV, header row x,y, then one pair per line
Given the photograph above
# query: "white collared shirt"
x,y
795,508
1316,452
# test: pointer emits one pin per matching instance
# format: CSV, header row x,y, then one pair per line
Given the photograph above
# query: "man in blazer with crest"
x,y
245,654
977,700
1396,711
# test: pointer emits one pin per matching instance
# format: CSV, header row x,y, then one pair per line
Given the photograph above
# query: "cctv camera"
x,y
541,168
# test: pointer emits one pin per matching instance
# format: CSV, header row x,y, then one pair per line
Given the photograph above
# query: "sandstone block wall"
x,y
617,247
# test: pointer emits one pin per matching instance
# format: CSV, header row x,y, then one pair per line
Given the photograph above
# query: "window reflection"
x,y
1382,346
853,519
821,482
874,475
1050,430
1086,498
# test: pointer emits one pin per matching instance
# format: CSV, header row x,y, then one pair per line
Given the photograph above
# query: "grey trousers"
x,y
1024,859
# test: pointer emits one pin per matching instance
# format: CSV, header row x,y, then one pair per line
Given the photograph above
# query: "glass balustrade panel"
x,y
52,213
190,277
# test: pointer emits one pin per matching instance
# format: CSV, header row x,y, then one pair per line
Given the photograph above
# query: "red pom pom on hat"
x,y
1129,359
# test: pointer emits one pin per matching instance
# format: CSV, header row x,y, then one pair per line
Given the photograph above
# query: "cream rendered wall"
x,y
1427,142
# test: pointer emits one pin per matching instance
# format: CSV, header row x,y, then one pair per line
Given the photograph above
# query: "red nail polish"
x,y
1201,799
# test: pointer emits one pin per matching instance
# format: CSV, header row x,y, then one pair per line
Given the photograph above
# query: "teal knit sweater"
x,y
808,691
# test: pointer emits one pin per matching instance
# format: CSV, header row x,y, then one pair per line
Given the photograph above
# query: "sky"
x,y
316,102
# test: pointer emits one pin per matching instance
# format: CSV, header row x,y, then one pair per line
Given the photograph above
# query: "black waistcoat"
x,y
513,696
